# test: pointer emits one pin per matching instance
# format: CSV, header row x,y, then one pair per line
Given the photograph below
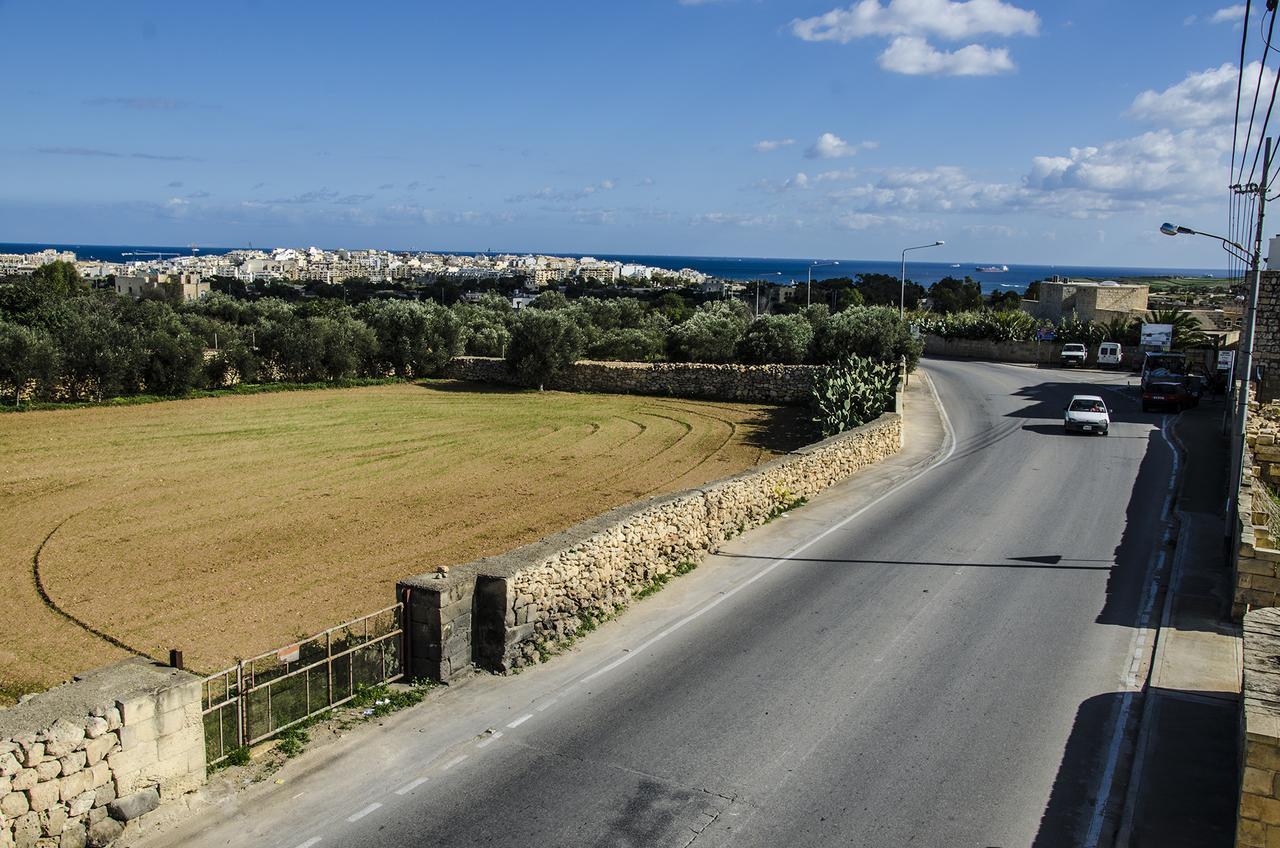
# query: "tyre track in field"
x,y
51,604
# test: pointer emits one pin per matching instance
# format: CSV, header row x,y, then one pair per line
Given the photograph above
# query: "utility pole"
x,y
1244,356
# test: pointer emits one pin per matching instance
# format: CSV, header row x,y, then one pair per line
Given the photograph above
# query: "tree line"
x,y
60,340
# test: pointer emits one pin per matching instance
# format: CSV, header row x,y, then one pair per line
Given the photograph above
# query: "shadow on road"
x,y
1191,801
1053,562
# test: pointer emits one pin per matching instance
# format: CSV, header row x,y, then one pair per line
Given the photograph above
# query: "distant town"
x,y
333,267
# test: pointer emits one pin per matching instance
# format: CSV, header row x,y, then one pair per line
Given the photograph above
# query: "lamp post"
x,y
902,297
1244,355
808,293
758,281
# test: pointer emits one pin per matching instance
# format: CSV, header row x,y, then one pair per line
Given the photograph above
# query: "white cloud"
x,y
560,196
736,219
915,56
1203,99
832,146
1228,14
769,145
946,19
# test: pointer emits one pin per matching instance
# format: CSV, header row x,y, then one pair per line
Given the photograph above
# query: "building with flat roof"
x,y
1088,300
188,287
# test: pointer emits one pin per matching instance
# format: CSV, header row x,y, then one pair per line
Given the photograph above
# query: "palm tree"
x,y
1186,329
1122,330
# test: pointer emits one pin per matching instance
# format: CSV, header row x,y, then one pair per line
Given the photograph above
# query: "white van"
x,y
1109,355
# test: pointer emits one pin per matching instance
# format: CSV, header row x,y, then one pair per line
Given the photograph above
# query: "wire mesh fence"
x,y
259,697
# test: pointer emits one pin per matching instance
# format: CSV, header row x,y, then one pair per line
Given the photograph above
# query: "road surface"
x,y
941,652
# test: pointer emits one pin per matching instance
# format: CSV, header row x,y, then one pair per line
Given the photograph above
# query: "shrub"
x,y
543,343
875,332
851,393
711,334
776,338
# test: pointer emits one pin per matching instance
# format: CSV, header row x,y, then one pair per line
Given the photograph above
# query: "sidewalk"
x,y
1185,777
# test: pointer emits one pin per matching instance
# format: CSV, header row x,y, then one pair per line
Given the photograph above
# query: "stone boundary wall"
x,y
1029,353
745,383
1257,570
1258,816
501,612
83,763
1266,336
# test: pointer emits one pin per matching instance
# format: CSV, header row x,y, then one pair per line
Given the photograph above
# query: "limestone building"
x,y
1088,301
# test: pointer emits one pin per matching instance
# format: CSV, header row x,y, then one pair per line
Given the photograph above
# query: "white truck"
x,y
1073,354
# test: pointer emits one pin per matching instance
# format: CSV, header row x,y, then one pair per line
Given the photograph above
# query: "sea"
x,y
745,268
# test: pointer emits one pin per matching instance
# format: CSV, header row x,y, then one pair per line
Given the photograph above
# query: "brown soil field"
x,y
230,526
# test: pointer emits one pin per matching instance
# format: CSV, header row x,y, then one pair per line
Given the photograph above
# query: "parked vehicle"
x,y
1109,355
1086,414
1166,382
1074,354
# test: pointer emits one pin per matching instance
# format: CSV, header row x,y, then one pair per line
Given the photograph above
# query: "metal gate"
x,y
259,697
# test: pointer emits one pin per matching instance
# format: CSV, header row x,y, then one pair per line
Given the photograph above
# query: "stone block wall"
x,y
1258,816
1266,342
746,383
83,763
1257,570
1030,353
502,611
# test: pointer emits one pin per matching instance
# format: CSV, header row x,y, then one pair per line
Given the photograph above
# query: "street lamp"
x,y
808,299
1244,364
902,297
771,274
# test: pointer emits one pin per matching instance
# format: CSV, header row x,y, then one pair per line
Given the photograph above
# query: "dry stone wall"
x,y
82,764
747,383
502,612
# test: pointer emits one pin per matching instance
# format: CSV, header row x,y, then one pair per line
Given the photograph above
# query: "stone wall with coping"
x,y
501,612
1258,815
1257,568
745,383
1027,353
83,763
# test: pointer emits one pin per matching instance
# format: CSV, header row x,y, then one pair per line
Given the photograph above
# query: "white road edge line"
x,y
354,817
315,840
1132,684
946,455
453,762
484,743
520,721
410,786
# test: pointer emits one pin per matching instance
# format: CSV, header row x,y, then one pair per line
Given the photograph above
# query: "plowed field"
x,y
228,526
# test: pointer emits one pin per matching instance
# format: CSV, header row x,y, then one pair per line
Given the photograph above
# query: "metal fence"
x,y
259,697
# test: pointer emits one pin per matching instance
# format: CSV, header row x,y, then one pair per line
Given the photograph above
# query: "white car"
x,y
1110,355
1086,414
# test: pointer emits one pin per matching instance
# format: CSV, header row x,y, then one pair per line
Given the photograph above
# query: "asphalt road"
x,y
939,653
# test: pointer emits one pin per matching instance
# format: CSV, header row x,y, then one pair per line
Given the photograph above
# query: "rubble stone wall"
x,y
83,763
504,611
1266,341
746,383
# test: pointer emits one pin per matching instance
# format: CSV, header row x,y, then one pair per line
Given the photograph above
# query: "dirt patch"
x,y
229,526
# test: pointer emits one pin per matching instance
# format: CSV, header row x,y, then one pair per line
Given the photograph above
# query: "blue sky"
x,y
1045,132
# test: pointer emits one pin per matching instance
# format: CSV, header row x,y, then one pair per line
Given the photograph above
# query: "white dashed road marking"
x,y
315,840
410,786
520,720
486,742
453,762
366,811
546,705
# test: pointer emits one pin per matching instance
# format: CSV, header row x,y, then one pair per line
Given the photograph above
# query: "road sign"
x,y
1157,336
1045,334
1226,360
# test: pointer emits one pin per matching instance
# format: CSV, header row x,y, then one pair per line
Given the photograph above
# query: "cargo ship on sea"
x,y
992,269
